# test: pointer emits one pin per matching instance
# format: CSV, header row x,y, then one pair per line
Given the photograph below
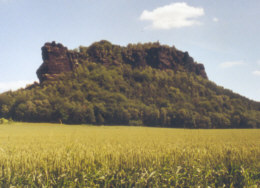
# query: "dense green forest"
x,y
95,93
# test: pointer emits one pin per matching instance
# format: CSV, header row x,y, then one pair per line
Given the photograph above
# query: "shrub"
x,y
3,121
136,122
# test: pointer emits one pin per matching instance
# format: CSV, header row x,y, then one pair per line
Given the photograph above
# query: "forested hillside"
x,y
134,85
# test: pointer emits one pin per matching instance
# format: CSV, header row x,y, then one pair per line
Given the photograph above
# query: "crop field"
x,y
52,155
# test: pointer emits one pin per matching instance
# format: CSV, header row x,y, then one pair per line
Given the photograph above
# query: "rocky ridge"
x,y
58,59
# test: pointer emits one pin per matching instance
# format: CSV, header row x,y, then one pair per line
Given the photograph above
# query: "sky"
x,y
223,35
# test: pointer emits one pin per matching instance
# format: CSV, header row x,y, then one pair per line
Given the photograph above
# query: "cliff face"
x,y
162,57
58,59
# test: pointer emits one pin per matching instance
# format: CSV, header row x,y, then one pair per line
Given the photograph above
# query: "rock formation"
x,y
58,59
162,57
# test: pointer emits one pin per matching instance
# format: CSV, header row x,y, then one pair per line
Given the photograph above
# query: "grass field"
x,y
51,155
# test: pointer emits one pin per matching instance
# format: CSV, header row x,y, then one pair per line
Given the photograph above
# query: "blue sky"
x,y
223,34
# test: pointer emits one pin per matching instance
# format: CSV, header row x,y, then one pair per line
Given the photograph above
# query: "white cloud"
x,y
215,19
14,85
175,15
229,64
257,72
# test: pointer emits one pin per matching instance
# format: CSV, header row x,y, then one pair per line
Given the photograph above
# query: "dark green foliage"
x,y
120,94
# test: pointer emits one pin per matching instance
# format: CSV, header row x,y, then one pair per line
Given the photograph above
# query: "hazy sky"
x,y
221,34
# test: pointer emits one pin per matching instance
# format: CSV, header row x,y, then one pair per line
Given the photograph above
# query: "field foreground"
x,y
51,155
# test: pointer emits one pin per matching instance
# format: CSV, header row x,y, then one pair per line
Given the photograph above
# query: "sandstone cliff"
x,y
58,59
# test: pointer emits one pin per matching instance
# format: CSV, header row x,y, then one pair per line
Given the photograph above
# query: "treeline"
x,y
99,94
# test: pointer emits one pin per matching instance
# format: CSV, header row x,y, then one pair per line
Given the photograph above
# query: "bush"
x,y
136,122
3,121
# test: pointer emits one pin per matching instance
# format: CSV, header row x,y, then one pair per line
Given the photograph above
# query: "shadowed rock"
x,y
58,59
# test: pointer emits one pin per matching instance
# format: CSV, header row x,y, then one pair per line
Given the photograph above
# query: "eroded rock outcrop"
x,y
58,59
162,57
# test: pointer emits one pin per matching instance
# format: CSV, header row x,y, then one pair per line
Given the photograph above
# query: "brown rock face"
x,y
56,59
162,57
140,55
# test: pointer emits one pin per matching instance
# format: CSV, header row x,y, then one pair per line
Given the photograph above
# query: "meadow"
x,y
53,155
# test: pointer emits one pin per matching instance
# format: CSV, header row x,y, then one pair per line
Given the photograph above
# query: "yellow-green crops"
x,y
51,155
